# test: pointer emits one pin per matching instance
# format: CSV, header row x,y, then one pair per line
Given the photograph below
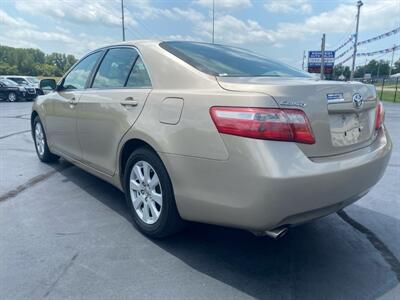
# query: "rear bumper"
x,y
266,184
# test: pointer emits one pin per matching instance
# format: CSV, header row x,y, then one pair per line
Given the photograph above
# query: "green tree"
x,y
6,68
375,68
71,60
341,70
46,70
396,68
33,62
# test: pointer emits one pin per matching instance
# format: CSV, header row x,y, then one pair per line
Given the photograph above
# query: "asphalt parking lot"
x,y
66,234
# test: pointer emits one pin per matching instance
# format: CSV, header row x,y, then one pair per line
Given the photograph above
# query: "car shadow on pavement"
x,y
325,259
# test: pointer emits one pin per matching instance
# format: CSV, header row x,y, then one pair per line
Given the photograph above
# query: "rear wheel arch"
x,y
34,114
168,220
126,150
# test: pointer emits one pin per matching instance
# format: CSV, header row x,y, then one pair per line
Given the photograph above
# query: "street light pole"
x,y
213,21
359,4
123,20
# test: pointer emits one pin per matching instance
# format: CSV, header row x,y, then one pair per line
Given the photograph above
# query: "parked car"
x,y
213,134
11,91
30,81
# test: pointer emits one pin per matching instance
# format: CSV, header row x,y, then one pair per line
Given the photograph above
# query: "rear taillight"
x,y
263,123
379,115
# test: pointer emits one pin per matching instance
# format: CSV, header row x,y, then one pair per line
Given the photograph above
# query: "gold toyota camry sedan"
x,y
214,134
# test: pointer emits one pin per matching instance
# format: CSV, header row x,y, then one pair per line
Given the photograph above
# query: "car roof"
x,y
181,74
135,43
16,76
147,43
154,42
8,82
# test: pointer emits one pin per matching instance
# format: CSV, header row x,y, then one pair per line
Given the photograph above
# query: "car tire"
x,y
12,97
162,215
40,140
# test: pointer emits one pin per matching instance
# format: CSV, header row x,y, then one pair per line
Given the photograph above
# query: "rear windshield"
x,y
224,61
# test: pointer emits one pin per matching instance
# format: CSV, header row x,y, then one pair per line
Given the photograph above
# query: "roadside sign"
x,y
314,61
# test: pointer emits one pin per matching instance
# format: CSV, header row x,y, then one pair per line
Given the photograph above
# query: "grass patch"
x,y
388,96
379,86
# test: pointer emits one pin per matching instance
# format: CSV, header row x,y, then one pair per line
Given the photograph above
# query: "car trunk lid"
x,y
342,114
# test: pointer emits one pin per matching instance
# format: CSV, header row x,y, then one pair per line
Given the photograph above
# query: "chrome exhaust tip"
x,y
276,233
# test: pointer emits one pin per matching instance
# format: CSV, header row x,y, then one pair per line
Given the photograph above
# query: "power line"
x,y
373,53
349,40
152,33
344,53
143,24
376,58
379,37
346,33
114,15
387,50
370,40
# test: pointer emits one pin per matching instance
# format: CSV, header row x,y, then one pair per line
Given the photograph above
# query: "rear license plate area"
x,y
349,128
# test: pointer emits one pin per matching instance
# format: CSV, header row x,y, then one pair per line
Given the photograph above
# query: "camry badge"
x,y
357,100
292,103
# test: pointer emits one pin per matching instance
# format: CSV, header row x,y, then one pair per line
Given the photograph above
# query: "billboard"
x,y
314,61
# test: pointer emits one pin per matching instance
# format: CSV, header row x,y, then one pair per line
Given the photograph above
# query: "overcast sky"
x,y
280,29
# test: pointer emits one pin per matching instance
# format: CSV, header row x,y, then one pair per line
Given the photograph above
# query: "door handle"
x,y
72,101
129,101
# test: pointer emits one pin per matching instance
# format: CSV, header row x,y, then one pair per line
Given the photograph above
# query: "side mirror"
x,y
48,85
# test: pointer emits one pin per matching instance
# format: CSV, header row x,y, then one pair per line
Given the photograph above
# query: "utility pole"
x,y
123,20
359,4
391,63
379,68
304,57
365,67
213,21
323,57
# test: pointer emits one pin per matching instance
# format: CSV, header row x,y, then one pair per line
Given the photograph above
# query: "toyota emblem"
x,y
357,100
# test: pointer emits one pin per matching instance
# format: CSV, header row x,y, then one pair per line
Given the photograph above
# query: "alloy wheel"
x,y
146,193
12,97
39,139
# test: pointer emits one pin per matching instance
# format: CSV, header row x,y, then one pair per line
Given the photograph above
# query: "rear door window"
x,y
115,68
139,78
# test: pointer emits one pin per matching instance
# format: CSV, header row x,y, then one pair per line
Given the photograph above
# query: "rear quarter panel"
x,y
195,134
